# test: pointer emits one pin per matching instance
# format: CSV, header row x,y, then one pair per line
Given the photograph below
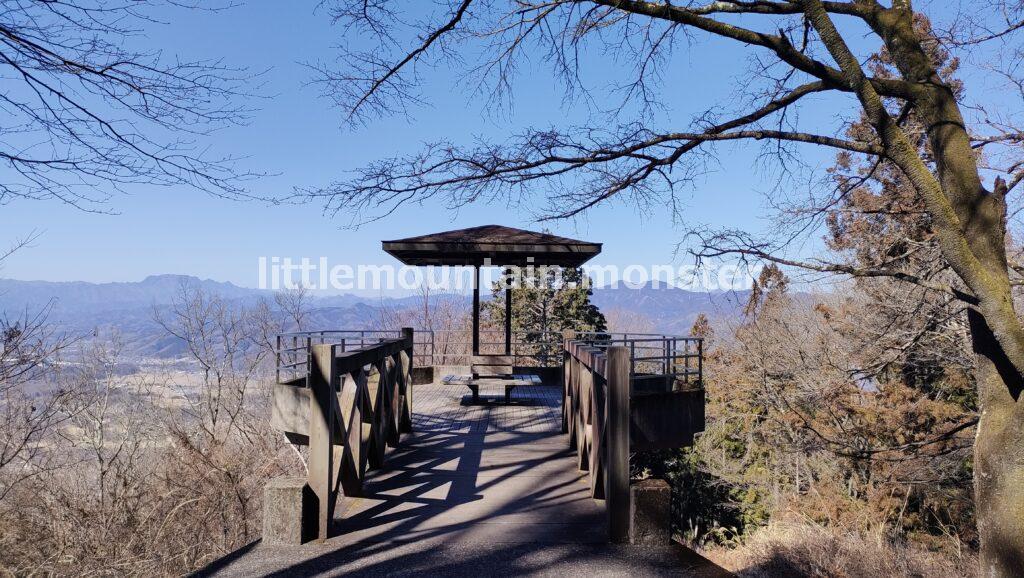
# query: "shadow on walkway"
x,y
476,490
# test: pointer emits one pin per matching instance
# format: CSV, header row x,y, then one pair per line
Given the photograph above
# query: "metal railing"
x,y
292,353
652,356
432,347
655,356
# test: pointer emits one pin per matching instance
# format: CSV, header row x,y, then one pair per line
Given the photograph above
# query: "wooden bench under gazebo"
x,y
492,246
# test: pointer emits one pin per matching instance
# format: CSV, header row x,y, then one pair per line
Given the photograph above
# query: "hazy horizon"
x,y
659,284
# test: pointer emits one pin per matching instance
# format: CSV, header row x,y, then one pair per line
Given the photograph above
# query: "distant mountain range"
x,y
71,298
671,310
129,307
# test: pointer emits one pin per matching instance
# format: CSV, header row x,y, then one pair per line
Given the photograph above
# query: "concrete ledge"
x,y
650,522
289,511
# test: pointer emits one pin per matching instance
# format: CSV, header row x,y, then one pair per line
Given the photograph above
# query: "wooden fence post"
x,y
617,401
323,376
567,362
405,383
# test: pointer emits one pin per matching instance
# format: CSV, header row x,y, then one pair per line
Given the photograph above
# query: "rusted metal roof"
x,y
494,245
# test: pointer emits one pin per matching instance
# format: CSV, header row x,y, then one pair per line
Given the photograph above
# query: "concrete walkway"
x,y
478,490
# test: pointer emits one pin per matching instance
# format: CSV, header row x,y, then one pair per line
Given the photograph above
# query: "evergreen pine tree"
x,y
545,302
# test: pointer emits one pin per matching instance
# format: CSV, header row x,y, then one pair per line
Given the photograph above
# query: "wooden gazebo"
x,y
497,246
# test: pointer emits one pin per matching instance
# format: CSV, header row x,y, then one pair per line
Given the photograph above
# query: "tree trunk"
x,y
995,326
970,227
998,457
996,336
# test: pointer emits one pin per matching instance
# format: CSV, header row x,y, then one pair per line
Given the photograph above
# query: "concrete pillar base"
x,y
650,516
289,511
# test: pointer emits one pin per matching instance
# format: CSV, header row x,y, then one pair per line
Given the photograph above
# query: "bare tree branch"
x,y
88,115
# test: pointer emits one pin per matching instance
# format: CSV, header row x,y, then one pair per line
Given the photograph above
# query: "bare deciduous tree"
x,y
800,54
444,314
626,321
218,336
295,304
30,405
83,107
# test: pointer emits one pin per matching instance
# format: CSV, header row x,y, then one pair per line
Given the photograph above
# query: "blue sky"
x,y
299,137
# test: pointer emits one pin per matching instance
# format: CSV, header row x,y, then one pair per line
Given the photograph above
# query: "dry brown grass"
x,y
804,550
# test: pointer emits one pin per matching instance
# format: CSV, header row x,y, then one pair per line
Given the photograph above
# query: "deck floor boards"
x,y
487,489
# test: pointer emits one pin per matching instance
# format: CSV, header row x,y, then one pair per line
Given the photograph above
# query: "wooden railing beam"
x,y
349,361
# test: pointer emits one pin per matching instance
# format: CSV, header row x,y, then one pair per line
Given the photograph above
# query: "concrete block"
x,y
289,411
650,516
422,375
289,511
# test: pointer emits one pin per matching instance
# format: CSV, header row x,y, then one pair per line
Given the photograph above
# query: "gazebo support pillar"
x,y
508,311
476,310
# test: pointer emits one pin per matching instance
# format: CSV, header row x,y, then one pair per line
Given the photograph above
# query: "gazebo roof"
x,y
502,245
